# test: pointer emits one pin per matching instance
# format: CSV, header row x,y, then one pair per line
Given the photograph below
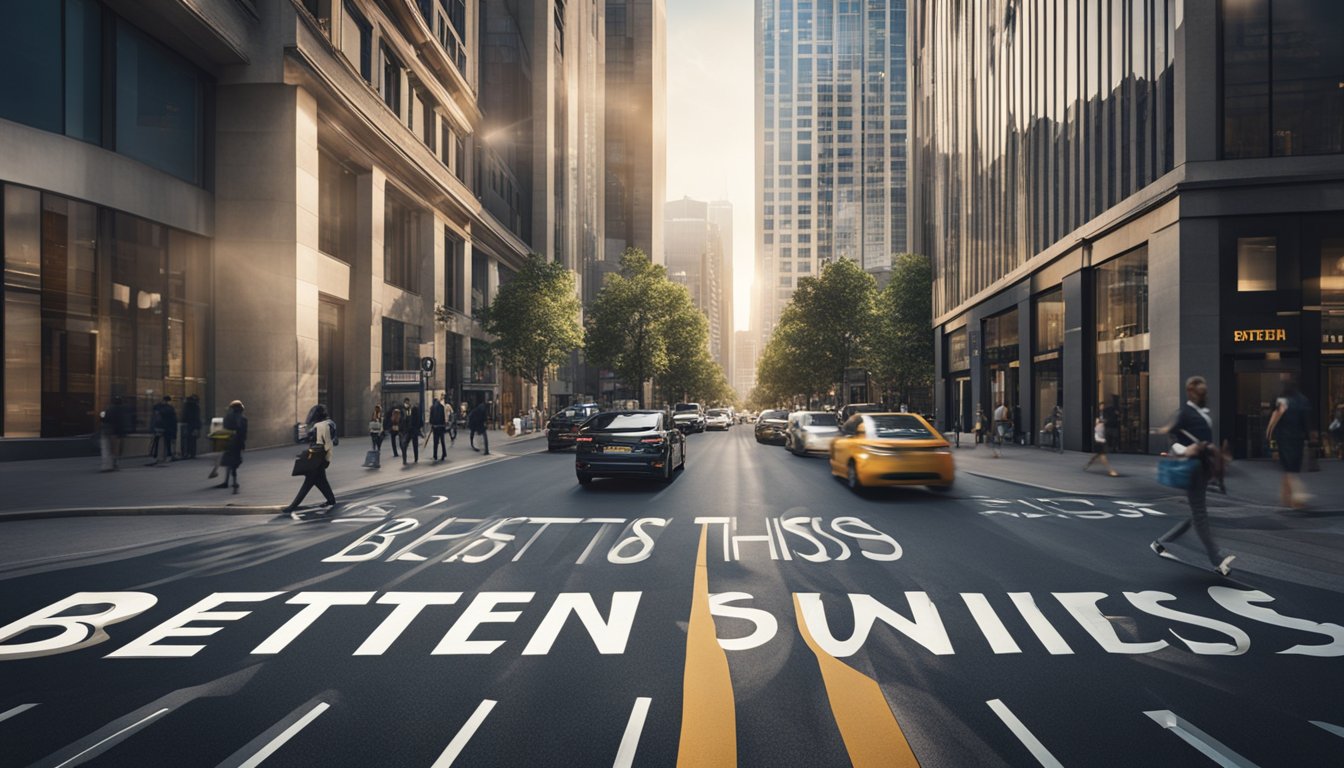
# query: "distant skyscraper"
x,y
636,131
744,367
721,219
693,249
830,153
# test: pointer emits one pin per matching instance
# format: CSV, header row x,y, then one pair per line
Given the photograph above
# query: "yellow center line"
x,y
869,729
708,714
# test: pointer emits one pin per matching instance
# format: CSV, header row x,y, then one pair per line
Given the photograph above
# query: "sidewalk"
x,y
1251,482
75,487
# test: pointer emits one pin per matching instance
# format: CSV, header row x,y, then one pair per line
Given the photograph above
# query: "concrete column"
x,y
1026,394
940,383
1077,361
364,315
431,289
1197,134
1183,319
974,342
266,255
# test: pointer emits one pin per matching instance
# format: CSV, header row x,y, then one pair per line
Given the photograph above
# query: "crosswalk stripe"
x,y
1024,735
1330,727
464,734
19,710
1207,745
625,755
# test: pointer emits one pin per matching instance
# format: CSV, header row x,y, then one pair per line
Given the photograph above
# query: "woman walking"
x,y
232,458
1101,435
1289,428
376,435
322,433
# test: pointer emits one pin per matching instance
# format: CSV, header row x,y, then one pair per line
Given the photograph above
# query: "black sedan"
x,y
564,426
771,426
628,443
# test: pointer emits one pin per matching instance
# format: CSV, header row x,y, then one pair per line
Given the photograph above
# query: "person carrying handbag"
x,y
1191,432
314,463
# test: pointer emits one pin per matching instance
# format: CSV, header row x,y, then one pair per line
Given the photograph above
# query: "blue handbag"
x,y
1175,473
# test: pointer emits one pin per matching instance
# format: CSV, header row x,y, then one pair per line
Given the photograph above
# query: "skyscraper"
x,y
830,158
693,249
720,215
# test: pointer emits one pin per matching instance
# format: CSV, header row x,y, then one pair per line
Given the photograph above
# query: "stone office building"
x,y
245,199
1119,195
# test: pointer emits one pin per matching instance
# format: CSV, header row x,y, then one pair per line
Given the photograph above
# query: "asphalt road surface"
x,y
752,612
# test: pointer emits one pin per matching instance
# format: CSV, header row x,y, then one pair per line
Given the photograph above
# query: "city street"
x,y
504,615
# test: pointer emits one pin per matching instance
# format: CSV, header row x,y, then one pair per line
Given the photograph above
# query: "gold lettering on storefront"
x,y
1259,334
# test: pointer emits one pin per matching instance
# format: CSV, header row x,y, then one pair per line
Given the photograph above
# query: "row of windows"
x,y
74,67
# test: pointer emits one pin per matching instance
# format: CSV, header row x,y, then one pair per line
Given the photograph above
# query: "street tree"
x,y
902,346
628,322
534,321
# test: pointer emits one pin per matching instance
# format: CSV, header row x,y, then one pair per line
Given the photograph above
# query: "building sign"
x,y
1259,334
401,379
1270,334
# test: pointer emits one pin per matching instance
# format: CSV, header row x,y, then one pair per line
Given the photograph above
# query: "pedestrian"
x,y
392,425
376,435
980,423
1110,416
1336,430
411,424
1191,433
191,424
155,429
166,430
1100,442
1002,427
1288,428
322,436
109,439
232,457
438,423
476,425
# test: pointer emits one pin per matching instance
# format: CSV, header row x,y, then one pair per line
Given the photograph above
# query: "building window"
x,y
1049,324
159,112
1282,67
392,77
336,208
482,363
401,345
1257,264
480,282
30,43
357,41
1122,347
453,250
400,245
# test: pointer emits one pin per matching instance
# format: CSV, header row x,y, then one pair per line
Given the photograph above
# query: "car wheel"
x,y
852,477
585,478
667,468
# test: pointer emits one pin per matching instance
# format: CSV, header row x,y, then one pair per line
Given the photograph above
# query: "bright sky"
x,y
711,121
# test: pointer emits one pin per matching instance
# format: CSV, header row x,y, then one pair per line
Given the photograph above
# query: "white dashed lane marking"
x,y
1206,744
464,735
19,710
1028,739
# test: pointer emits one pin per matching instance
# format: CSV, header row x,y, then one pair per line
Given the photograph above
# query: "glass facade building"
x,y
1130,192
831,133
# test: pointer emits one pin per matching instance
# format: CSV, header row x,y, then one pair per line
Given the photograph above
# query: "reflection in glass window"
x,y
30,43
1257,264
1122,345
159,105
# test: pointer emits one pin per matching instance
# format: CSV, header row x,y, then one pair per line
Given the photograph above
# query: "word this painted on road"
x,y
912,623
615,540
1065,507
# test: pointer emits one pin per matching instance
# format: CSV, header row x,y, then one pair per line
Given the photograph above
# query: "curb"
x,y
196,509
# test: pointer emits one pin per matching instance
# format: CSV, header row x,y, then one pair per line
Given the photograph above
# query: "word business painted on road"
x,y
82,620
476,540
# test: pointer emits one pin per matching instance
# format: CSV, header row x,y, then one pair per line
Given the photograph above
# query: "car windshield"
x,y
687,407
775,415
622,422
900,426
823,420
718,412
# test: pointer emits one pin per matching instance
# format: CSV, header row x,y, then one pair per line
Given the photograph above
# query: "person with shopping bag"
x,y
312,464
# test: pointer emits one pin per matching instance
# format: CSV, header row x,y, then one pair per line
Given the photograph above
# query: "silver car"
x,y
810,432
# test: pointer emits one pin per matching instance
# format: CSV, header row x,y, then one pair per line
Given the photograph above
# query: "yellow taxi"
x,y
875,449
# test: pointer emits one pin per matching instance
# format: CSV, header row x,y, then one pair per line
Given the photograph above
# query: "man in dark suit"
x,y
411,424
476,425
438,423
1191,432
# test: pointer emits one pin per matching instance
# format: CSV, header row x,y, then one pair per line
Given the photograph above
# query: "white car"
x,y
810,432
718,418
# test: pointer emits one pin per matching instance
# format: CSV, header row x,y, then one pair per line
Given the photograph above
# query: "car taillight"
x,y
583,439
655,440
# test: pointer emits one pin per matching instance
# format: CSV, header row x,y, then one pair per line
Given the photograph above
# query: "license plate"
x,y
615,449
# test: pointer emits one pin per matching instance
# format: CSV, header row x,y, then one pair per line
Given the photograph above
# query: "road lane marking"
x,y
464,734
287,727
19,710
625,756
1207,745
1000,640
867,725
110,741
1028,739
1331,727
1045,631
708,712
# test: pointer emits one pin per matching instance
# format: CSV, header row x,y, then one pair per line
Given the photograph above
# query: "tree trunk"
x,y
541,389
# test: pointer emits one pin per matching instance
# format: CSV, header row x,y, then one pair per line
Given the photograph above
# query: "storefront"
x,y
1122,346
1047,362
957,354
1001,363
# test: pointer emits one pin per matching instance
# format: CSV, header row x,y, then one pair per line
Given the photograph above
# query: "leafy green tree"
x,y
628,322
534,320
902,349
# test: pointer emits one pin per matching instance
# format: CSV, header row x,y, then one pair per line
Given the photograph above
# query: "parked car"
x,y
718,418
689,417
628,443
891,449
770,426
564,426
853,408
810,432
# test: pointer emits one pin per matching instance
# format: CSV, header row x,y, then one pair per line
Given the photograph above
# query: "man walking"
x,y
191,420
411,424
476,424
438,423
1191,432
165,429
1001,426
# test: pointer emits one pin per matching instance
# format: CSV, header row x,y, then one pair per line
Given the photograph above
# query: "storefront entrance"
x,y
1259,384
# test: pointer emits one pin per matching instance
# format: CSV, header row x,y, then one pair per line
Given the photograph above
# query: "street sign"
x,y
427,364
